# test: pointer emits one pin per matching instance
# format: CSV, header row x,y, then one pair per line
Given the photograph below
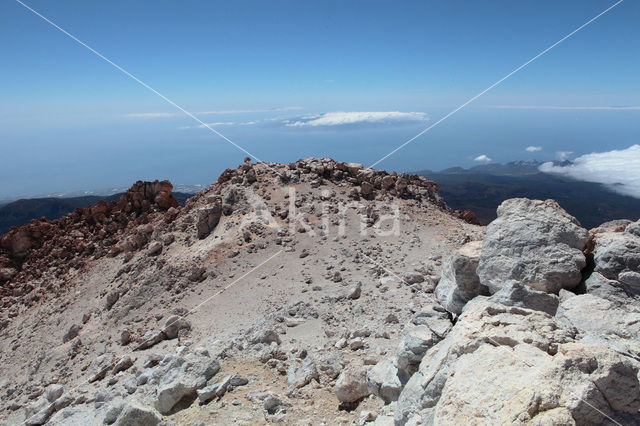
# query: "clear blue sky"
x,y
69,120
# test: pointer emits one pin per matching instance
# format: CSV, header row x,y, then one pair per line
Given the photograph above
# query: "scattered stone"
x,y
123,363
174,324
155,248
272,404
351,385
112,298
383,381
99,367
355,292
72,333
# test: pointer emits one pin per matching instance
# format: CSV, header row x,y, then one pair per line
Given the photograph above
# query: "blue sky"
x,y
69,120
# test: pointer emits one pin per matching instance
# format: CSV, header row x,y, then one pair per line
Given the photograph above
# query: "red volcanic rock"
x,y
28,251
469,217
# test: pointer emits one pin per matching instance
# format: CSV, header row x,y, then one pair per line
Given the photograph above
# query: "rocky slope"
x,y
318,292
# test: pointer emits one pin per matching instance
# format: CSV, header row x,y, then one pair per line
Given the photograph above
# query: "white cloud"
x,y
618,169
482,159
341,118
559,107
563,155
533,148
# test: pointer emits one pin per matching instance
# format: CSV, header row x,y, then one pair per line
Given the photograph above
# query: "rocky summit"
x,y
318,292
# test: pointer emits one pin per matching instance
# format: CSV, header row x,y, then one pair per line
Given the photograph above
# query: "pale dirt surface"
x,y
32,352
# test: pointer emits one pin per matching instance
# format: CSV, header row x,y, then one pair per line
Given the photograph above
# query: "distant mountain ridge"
x,y
482,188
22,211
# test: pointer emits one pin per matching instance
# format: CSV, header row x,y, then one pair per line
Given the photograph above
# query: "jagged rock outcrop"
x,y
27,252
533,242
496,352
459,281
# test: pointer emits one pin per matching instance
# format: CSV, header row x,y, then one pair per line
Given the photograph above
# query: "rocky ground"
x,y
318,292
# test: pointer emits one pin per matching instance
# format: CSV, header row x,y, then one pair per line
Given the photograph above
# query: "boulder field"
x,y
318,292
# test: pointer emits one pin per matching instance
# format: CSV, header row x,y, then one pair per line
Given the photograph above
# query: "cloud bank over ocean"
x,y
618,169
343,118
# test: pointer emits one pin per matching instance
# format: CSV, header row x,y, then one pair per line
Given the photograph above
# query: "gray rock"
x,y
598,285
383,380
631,279
533,242
130,385
514,293
265,336
272,404
39,412
605,322
482,324
182,377
459,282
303,375
208,219
71,333
99,367
155,248
415,343
413,278
53,392
135,413
217,390
355,292
112,298
112,413
151,338
351,385
123,363
174,324
615,252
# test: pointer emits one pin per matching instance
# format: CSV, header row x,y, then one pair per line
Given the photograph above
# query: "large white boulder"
x,y
534,242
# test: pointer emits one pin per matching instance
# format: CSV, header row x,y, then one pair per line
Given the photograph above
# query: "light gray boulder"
x,y
459,282
174,324
630,279
182,377
100,366
615,252
304,374
598,285
514,293
416,341
534,242
135,413
351,385
217,390
39,412
383,380
53,392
